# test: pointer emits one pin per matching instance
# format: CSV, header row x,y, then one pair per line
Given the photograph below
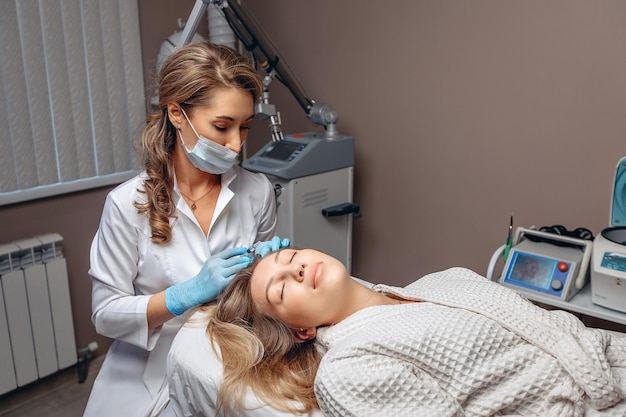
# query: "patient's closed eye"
x,y
289,259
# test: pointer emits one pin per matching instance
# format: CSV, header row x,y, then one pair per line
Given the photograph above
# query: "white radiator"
x,y
36,328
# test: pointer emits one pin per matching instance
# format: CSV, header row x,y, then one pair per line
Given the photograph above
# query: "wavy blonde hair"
x,y
259,352
189,76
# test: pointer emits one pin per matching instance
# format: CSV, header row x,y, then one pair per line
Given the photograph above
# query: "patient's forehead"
x,y
263,264
263,270
272,257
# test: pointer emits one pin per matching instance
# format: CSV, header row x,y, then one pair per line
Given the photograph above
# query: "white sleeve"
x,y
117,312
368,384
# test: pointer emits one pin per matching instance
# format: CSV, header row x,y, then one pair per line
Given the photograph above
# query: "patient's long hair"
x,y
260,352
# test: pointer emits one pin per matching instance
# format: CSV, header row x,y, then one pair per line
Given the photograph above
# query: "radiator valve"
x,y
84,356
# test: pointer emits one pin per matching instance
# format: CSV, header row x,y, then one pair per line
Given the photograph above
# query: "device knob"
x,y
556,285
563,266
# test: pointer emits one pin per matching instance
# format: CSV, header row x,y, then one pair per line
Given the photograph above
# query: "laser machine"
x,y
544,266
312,172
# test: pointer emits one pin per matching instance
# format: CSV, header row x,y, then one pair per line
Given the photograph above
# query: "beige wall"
x,y
462,112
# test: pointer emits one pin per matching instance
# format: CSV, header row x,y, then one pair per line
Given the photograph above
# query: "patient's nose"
x,y
299,272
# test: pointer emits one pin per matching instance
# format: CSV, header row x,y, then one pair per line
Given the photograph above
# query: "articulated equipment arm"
x,y
269,60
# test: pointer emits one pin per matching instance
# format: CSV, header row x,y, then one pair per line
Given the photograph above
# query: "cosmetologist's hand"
x,y
214,276
263,248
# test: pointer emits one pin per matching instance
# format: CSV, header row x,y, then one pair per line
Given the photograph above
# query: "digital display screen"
x,y
533,270
614,261
282,150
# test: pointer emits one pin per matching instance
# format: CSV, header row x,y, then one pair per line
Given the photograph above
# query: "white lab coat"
x,y
127,268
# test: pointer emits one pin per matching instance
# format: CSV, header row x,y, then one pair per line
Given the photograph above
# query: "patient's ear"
x,y
302,335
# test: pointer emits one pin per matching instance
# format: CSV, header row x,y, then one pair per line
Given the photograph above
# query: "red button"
x,y
563,267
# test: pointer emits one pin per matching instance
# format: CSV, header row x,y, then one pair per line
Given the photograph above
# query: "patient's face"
x,y
304,288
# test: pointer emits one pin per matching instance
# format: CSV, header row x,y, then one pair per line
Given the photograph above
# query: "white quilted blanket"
x,y
473,348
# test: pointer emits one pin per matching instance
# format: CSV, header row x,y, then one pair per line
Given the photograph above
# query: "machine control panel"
x,y
548,264
538,273
614,261
283,150
302,154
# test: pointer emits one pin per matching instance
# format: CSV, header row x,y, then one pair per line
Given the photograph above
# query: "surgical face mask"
x,y
207,155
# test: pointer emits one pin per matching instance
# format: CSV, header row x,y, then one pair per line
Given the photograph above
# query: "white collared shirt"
x,y
127,267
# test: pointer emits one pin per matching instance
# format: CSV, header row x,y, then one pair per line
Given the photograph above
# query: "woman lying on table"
x,y
299,332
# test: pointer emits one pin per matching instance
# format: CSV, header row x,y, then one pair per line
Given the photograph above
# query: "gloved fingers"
x,y
228,273
243,260
277,243
272,245
214,267
263,248
230,252
227,280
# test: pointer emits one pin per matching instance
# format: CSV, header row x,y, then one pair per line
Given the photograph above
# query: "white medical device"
x,y
313,181
553,265
608,261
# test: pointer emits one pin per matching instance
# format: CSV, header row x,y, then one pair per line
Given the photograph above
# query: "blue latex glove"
x,y
214,276
263,248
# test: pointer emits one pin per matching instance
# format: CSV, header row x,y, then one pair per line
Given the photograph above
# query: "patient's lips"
x,y
313,273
